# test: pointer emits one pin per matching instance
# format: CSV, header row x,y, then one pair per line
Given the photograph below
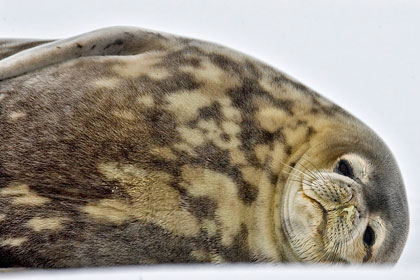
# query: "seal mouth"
x,y
304,220
319,205
322,226
313,200
303,191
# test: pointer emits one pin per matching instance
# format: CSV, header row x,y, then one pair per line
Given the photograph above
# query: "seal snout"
x,y
330,192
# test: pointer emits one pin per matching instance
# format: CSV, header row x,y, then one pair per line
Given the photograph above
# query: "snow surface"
x,y
231,272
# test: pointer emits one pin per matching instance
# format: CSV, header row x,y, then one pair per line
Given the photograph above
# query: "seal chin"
x,y
304,222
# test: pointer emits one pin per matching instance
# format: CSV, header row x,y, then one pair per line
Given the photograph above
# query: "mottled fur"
x,y
140,147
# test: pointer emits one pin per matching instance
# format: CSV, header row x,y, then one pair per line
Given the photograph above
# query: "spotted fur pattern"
x,y
167,152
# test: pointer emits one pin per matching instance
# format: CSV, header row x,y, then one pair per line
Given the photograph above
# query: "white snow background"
x,y
363,55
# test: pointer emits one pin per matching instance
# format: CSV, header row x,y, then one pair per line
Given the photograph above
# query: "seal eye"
x,y
369,237
344,168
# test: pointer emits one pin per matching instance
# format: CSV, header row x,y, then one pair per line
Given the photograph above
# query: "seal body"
x,y
124,146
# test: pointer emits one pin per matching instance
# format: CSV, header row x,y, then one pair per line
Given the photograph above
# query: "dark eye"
x,y
369,237
344,168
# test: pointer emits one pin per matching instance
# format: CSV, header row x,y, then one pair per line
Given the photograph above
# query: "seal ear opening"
x,y
102,42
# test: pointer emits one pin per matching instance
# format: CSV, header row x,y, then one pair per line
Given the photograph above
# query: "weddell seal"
x,y
125,146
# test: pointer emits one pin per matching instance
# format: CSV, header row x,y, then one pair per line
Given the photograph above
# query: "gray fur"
x,y
126,146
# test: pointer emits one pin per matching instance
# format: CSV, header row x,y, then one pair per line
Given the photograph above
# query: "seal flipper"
x,y
102,42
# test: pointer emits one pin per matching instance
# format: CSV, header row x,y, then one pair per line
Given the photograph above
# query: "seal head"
x,y
345,200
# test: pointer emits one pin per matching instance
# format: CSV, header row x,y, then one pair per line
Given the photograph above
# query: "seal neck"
x,y
266,238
